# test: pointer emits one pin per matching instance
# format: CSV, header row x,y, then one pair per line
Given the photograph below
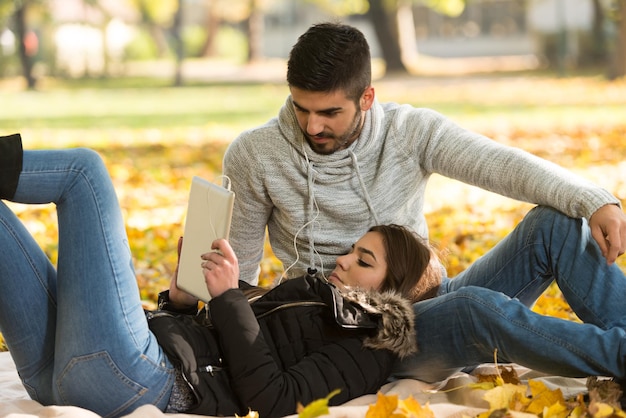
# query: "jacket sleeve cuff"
x,y
164,304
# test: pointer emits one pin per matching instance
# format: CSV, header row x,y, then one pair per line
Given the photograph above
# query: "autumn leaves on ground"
x,y
155,138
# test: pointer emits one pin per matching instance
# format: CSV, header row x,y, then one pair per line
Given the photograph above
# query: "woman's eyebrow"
x,y
366,251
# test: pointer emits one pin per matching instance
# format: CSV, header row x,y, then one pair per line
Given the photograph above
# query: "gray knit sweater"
x,y
316,206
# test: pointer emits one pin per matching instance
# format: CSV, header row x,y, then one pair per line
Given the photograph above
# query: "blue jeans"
x,y
486,307
77,333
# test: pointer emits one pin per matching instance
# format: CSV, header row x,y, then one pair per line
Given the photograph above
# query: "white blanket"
x,y
444,402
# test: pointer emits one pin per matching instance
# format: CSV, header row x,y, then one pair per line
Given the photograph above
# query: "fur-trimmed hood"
x,y
386,316
393,315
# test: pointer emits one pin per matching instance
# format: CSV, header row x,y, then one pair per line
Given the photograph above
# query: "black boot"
x,y
10,164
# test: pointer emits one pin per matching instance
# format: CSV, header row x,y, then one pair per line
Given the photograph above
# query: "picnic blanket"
x,y
451,398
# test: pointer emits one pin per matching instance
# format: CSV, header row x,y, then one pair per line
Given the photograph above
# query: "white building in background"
x,y
7,42
552,16
80,48
82,33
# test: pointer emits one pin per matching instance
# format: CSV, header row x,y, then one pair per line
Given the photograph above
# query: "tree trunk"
x,y
156,32
179,46
106,58
597,33
388,42
618,62
212,27
406,33
26,60
255,32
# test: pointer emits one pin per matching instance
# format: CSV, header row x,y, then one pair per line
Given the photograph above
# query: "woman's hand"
x,y
220,268
179,298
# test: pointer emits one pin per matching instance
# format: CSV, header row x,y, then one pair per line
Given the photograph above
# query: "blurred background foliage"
x,y
105,38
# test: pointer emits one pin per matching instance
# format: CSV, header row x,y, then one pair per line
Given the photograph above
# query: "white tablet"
x,y
209,214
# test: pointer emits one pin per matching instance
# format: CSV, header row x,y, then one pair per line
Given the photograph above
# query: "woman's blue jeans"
x,y
486,307
77,333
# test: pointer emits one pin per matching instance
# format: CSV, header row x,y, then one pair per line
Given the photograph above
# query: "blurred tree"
x,y
6,10
212,24
599,52
247,13
382,14
156,16
617,66
25,40
254,30
387,32
393,24
179,45
446,7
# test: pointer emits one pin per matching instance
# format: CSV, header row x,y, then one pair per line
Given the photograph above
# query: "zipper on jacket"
x,y
210,369
158,314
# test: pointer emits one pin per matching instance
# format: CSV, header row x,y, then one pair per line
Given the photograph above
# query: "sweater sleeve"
x,y
262,385
251,209
474,159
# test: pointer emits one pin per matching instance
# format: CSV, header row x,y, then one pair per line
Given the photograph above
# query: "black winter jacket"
x,y
297,343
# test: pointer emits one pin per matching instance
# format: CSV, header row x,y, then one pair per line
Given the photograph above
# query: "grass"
x,y
140,107
151,103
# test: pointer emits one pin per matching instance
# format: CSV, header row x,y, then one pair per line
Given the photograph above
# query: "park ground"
x,y
154,138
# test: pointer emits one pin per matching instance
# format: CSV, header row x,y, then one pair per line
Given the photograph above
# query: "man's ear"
x,y
367,98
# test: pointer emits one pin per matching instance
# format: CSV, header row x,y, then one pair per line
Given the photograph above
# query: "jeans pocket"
x,y
95,382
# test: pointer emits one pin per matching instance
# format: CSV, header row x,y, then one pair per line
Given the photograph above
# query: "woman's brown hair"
x,y
413,269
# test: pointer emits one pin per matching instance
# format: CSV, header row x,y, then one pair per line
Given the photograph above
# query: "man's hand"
x,y
608,228
179,298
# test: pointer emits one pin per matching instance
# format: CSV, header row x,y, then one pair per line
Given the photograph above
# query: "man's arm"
x,y
474,159
447,149
251,210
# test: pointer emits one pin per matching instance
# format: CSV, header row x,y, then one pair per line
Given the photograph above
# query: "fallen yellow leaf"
x,y
384,407
317,408
501,397
542,397
409,407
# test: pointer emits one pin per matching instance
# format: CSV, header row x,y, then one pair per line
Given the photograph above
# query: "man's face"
x,y
329,121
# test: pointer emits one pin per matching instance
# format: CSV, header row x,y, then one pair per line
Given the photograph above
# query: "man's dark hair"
x,y
330,57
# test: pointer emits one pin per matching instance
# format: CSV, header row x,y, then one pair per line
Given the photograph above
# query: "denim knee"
x,y
86,157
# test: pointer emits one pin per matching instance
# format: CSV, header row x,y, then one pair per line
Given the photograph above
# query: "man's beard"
x,y
339,143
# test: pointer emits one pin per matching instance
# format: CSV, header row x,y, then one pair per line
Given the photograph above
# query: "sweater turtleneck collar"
x,y
331,168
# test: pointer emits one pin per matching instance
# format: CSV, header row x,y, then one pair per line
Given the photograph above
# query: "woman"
x,y
79,336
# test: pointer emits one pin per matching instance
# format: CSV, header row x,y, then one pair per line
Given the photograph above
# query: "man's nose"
x,y
314,125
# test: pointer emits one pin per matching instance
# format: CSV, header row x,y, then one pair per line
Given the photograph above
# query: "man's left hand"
x,y
608,228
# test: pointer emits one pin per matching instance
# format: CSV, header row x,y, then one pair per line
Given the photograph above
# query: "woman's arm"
x,y
261,383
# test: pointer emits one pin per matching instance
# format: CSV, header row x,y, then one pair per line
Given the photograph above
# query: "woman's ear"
x,y
367,98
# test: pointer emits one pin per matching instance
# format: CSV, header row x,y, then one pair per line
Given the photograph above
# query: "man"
x,y
336,161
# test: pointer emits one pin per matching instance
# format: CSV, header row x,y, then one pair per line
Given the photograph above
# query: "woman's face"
x,y
364,267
